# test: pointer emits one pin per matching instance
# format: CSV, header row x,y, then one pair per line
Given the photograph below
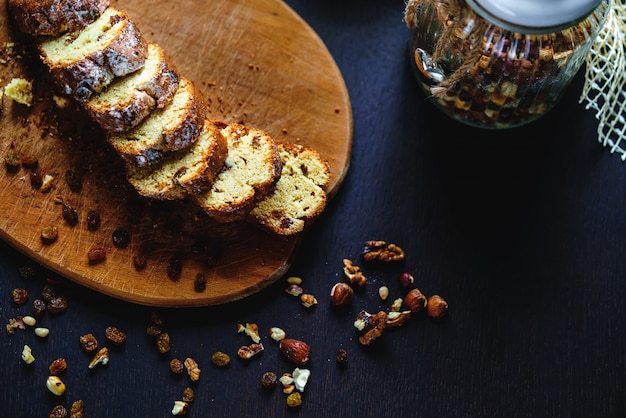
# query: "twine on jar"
x,y
461,25
604,89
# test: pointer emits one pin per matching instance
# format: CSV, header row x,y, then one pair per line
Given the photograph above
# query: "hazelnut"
x,y
415,300
437,307
298,352
341,294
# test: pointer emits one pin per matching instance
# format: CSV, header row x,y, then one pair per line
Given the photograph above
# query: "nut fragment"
x,y
77,410
192,369
294,290
248,351
370,326
341,294
180,408
42,332
277,333
406,280
101,357
397,305
287,381
308,300
353,273
27,355
55,385
294,400
396,319
49,234
19,296
298,352
294,280
380,250
383,292
415,300
300,378
251,330
220,359
29,320
436,307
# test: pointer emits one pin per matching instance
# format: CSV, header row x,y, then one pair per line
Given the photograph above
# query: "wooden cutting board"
x,y
258,63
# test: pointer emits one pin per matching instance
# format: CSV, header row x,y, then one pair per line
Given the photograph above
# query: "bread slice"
x,y
128,100
173,127
250,172
87,61
55,17
299,196
180,172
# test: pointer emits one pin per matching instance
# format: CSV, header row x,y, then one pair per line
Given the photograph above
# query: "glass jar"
x,y
500,63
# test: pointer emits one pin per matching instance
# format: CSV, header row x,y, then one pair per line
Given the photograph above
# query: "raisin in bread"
x,y
299,196
55,17
180,172
128,100
173,127
87,61
250,172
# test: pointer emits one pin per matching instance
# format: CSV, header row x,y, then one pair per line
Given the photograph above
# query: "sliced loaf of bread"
x,y
87,61
173,127
180,172
55,17
250,172
299,196
128,100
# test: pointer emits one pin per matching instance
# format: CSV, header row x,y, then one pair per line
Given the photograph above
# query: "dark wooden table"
x,y
522,231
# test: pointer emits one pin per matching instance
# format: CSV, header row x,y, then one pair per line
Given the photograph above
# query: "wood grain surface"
x,y
258,63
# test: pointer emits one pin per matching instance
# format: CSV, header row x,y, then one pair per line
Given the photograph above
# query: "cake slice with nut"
x,y
87,61
250,172
299,196
128,100
191,170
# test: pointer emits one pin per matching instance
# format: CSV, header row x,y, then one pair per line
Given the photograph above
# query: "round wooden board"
x,y
258,63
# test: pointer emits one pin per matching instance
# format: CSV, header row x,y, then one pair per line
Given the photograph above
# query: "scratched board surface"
x,y
258,63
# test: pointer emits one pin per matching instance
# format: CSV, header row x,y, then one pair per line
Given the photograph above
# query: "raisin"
x,y
174,268
220,359
57,304
39,306
269,380
36,179
163,342
154,330
74,180
176,366
96,255
29,272
58,366
93,220
29,161
88,342
199,283
48,292
12,159
188,395
114,335
58,411
70,215
140,262
121,238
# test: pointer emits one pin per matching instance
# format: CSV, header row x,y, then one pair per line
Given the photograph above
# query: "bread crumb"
x,y
20,91
61,102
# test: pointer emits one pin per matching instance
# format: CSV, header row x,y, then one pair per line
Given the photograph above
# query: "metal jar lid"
x,y
534,16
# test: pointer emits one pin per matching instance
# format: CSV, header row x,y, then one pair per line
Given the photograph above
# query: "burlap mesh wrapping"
x,y
605,78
